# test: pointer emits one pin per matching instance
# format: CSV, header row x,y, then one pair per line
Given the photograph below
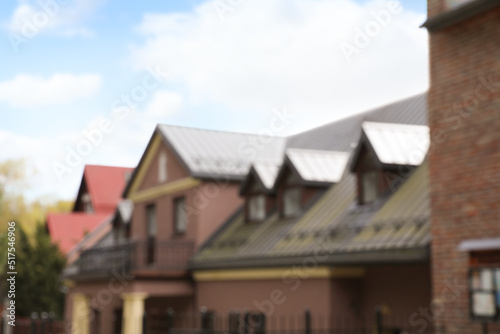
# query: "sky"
x,y
86,81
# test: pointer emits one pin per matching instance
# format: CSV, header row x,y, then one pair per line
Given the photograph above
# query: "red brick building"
x,y
464,160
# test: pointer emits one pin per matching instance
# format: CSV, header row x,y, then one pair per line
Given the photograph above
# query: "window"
x,y
162,167
292,201
257,208
151,220
370,186
180,215
87,203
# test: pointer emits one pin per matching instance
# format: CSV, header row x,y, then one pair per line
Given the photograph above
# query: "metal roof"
x,y
207,152
267,173
394,228
398,144
342,134
318,166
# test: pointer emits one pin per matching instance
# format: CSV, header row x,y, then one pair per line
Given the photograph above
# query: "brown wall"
x,y
464,160
220,200
404,289
254,295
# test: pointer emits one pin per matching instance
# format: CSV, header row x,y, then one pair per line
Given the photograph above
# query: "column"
x,y
81,315
133,310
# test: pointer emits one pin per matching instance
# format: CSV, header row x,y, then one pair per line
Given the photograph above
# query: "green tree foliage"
x,y
39,264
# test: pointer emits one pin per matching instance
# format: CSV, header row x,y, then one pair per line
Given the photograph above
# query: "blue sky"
x,y
228,71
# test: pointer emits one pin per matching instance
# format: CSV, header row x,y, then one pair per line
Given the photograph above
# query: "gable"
x,y
103,185
149,169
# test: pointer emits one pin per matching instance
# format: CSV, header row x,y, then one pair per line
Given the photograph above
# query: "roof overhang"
x,y
372,257
459,14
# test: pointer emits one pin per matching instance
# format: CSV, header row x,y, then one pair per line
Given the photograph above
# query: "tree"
x,y
39,264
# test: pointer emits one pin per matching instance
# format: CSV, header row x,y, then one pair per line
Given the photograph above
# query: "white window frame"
x,y
162,167
180,215
370,185
292,201
257,207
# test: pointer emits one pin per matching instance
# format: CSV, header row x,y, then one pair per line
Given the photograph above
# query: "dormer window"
x,y
369,185
383,152
256,207
292,198
162,167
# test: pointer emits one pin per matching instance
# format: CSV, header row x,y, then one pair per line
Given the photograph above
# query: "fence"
x,y
171,255
257,323
45,324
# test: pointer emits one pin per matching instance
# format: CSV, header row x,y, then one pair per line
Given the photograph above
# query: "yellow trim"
x,y
278,273
164,189
150,154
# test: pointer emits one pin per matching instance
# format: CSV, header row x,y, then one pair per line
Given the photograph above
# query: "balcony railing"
x,y
150,256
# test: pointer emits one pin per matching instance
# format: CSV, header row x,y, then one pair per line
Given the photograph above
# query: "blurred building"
x,y
335,220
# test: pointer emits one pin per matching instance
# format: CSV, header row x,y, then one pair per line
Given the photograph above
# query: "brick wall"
x,y
464,116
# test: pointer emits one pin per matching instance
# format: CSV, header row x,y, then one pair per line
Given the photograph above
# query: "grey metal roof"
x,y
394,228
398,144
209,153
342,134
318,166
267,173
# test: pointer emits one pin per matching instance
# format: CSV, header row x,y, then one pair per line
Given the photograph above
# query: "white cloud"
x,y
164,103
273,53
59,17
31,91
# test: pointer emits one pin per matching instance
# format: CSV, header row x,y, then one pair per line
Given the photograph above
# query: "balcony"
x,y
139,258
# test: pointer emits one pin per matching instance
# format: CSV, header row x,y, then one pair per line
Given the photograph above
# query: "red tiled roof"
x,y
105,185
67,229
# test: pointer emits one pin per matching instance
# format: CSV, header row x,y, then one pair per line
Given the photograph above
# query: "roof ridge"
x,y
316,151
214,130
107,166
